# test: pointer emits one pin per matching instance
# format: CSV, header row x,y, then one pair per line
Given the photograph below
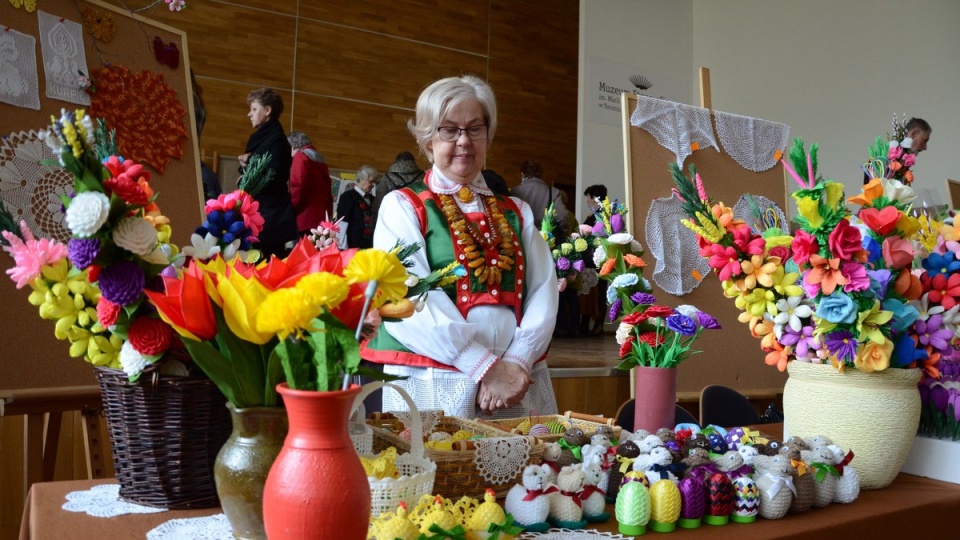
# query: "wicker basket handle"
x,y
416,427
589,418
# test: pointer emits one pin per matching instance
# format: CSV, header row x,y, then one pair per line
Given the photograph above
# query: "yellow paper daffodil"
x,y
785,283
907,226
242,297
834,195
325,289
869,322
382,267
809,208
287,312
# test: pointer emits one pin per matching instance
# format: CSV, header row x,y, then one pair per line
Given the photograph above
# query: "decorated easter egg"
x,y
405,435
556,427
693,503
746,500
717,444
634,476
539,430
720,499
462,435
664,506
734,438
439,436
633,505
524,426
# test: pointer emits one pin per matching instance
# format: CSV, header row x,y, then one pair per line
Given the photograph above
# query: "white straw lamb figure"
x,y
591,496
848,485
529,504
775,483
820,460
566,511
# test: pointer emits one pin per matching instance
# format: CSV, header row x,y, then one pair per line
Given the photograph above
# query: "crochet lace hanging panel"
x,y
64,58
680,268
501,459
29,189
448,394
568,534
214,527
18,70
677,127
753,143
429,417
770,214
104,501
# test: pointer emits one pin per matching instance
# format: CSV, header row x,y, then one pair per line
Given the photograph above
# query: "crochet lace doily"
x,y
751,142
18,70
454,395
31,190
770,214
501,459
567,534
680,268
214,527
64,58
429,417
674,125
104,501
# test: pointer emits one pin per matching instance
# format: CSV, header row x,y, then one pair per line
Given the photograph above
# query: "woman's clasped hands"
x,y
503,385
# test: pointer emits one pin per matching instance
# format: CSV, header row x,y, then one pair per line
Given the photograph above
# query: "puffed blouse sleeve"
x,y
438,331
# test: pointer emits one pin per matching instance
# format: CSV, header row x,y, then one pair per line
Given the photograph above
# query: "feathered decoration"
x,y
802,162
106,140
693,196
256,176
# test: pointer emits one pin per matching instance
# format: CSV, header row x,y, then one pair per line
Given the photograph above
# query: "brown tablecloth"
x,y
911,505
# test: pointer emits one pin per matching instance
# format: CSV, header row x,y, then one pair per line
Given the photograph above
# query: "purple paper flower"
x,y
563,264
842,344
879,280
857,274
804,343
122,283
614,310
578,265
682,324
706,320
931,332
939,397
954,401
82,251
643,298
616,223
598,229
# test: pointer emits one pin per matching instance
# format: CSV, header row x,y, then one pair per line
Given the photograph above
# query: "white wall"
x,y
834,70
649,37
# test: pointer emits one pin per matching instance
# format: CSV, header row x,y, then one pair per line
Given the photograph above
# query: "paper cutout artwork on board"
x,y
680,268
677,127
753,143
18,69
30,189
149,121
64,58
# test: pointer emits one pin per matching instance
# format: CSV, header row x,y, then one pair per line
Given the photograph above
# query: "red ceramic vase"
x,y
317,487
656,398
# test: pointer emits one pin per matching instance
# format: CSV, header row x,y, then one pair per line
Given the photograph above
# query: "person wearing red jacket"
x,y
310,183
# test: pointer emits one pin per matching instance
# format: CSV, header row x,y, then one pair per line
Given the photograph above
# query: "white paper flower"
x,y
622,239
687,310
623,332
635,246
599,257
202,247
88,212
131,361
896,191
924,308
135,235
906,143
951,319
894,144
411,281
791,312
159,255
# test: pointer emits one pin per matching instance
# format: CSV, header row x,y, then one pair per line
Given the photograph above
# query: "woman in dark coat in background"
x,y
280,222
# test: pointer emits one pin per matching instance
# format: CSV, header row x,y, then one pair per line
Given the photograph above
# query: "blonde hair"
x,y
445,94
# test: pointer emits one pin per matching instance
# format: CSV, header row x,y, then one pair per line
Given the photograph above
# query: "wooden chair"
x,y
725,407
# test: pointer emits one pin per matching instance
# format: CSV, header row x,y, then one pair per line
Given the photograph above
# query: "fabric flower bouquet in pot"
x,y
649,334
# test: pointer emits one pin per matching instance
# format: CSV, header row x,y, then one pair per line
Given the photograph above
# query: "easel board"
x,y
731,356
953,192
31,356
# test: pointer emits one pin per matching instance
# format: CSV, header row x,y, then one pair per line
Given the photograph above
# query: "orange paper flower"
x,y
826,273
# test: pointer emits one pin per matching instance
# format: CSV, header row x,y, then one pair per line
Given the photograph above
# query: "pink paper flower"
x,y
909,160
239,201
857,274
31,255
725,261
897,252
845,240
804,244
747,242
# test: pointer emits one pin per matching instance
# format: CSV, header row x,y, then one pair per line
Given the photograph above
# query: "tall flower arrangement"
x,y
893,158
839,290
567,252
119,243
649,334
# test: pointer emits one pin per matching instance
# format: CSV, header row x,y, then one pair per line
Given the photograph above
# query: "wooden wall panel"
x,y
456,24
364,66
237,43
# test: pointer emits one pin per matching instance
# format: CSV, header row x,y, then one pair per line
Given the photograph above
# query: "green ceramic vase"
x,y
243,463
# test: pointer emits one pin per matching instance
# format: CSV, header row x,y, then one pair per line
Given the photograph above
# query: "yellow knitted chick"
x,y
486,513
383,465
440,515
398,526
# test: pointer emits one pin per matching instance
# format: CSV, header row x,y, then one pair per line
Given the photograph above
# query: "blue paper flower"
x,y
837,308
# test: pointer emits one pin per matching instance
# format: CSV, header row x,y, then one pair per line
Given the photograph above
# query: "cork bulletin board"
x,y
30,356
731,356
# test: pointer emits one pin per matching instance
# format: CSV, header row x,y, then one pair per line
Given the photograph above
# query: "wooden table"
x,y
910,506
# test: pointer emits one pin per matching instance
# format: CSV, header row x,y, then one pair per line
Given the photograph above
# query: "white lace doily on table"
x,y
104,501
501,459
568,534
214,527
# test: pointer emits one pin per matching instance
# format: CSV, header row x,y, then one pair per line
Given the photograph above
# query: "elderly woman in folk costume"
x,y
478,345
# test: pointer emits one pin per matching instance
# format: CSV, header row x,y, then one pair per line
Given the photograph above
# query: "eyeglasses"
x,y
451,133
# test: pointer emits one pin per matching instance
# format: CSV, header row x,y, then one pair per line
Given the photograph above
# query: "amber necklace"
x,y
470,236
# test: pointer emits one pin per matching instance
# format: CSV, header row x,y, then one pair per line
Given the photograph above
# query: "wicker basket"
x,y
165,432
457,472
417,472
585,422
